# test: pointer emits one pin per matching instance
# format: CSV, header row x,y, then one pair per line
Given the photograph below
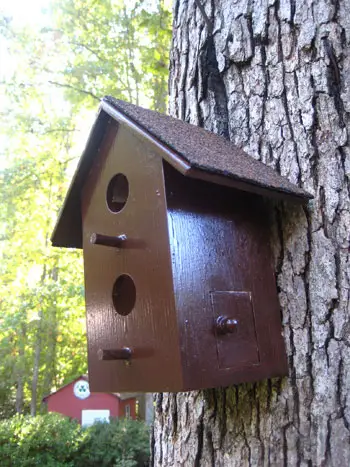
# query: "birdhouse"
x,y
179,280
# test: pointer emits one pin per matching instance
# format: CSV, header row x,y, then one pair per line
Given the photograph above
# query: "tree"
x,y
57,74
41,288
273,77
113,47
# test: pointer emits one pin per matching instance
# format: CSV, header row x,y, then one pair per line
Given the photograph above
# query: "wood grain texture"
x,y
219,241
268,81
203,250
150,329
239,347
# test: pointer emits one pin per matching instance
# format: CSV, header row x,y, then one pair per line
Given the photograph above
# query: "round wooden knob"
x,y
225,325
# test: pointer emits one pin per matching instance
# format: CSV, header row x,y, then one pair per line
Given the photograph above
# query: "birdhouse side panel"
x,y
128,280
224,283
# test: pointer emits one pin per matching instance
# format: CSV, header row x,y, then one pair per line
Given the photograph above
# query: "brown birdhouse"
x,y
179,282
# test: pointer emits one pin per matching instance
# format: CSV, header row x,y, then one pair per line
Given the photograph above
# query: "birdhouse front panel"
x,y
129,294
224,283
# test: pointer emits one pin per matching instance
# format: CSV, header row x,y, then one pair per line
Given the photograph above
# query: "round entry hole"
x,y
117,192
124,295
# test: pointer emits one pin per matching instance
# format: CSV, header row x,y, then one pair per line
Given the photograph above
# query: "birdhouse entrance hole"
x,y
117,192
124,295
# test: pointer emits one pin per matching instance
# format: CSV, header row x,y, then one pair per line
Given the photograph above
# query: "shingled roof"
x,y
195,152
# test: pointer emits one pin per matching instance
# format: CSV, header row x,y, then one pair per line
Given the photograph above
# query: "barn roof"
x,y
121,395
84,377
193,151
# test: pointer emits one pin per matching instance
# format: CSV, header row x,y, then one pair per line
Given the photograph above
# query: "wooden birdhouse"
x,y
179,282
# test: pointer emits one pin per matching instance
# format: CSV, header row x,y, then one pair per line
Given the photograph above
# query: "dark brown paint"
x,y
205,312
192,151
150,330
108,240
114,354
179,282
225,325
221,264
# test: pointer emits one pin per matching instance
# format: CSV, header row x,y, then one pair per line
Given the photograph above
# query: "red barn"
x,y
75,400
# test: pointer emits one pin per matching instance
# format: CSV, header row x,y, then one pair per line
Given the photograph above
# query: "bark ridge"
x,y
273,77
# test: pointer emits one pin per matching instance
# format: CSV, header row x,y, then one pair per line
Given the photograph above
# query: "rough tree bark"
x,y
274,78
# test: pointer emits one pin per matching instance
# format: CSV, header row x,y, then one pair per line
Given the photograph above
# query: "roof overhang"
x,y
68,230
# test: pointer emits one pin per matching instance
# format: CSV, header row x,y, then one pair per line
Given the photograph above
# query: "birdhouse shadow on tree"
x,y
179,281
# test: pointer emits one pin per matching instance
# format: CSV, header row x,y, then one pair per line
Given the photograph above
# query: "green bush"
x,y
53,441
50,440
120,443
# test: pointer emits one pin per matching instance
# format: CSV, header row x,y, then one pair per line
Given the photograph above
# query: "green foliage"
x,y
111,47
122,443
53,440
56,75
50,441
42,311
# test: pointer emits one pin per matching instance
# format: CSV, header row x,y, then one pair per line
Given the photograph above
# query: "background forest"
x,y
53,72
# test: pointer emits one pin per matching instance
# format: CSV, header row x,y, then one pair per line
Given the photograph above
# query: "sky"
x,y
24,11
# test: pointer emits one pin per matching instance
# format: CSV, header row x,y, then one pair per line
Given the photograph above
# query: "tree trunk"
x,y
36,364
274,78
21,367
38,347
50,356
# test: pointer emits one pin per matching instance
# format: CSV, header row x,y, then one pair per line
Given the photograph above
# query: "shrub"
x,y
50,440
121,443
53,441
